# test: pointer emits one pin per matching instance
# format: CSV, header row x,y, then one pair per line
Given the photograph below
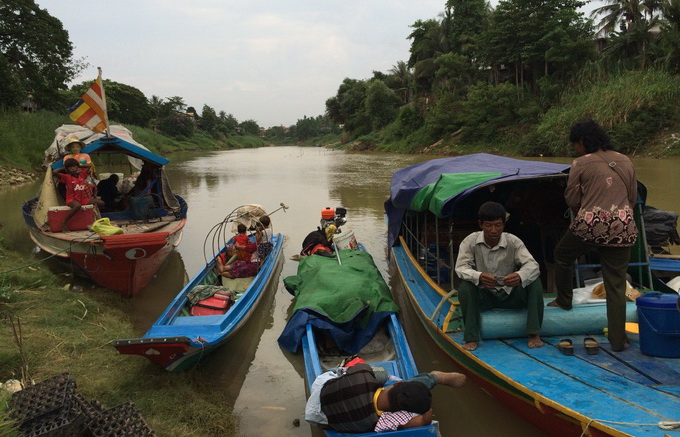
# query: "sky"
x,y
270,61
274,61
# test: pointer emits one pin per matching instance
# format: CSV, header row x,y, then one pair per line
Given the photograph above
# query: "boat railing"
x,y
431,260
446,298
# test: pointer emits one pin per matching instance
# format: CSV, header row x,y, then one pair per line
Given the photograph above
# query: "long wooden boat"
x,y
126,262
432,206
178,340
383,343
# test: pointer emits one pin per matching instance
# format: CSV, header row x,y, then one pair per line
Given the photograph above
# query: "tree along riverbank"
x,y
25,136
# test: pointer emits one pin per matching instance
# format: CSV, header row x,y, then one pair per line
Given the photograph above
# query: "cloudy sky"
x,y
270,61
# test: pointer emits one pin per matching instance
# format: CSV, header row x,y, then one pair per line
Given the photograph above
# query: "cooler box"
x,y
659,322
79,222
217,304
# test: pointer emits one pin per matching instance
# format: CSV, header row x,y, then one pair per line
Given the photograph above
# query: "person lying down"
x,y
361,398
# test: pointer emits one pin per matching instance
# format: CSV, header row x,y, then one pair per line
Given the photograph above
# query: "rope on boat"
x,y
220,235
668,425
51,256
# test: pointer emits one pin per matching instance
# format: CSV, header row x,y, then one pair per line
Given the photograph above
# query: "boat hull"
x,y
177,343
123,263
396,358
546,412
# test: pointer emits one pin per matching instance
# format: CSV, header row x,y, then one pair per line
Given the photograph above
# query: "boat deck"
x,y
627,391
128,226
620,393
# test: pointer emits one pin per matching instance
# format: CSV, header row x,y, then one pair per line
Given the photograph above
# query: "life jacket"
x,y
312,240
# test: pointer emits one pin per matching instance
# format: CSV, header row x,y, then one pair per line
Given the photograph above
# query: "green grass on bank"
x,y
25,136
7,425
72,331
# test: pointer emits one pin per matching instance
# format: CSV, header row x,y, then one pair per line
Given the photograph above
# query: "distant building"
x,y
29,105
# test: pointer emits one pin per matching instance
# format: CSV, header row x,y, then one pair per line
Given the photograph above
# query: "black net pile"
x,y
53,408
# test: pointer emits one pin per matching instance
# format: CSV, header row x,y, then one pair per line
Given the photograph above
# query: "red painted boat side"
x,y
160,353
127,262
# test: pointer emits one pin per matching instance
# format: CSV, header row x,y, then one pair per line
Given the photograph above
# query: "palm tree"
x,y
177,103
402,77
430,41
156,104
625,14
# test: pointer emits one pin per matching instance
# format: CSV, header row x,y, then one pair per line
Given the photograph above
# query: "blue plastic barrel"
x,y
659,321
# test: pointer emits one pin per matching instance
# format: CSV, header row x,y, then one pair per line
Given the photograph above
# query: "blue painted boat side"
x,y
214,329
582,389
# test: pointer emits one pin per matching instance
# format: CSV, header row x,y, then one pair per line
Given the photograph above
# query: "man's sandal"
x,y
566,346
592,346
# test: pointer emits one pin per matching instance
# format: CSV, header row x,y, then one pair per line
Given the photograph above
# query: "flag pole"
x,y
106,112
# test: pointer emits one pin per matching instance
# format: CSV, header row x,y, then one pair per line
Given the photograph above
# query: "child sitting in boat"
x,y
74,146
353,399
245,251
78,189
263,237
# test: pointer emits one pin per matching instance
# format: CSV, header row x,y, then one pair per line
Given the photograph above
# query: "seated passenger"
x,y
78,190
497,271
246,265
263,237
108,191
244,247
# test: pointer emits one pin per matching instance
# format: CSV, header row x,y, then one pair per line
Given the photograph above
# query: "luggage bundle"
x,y
210,300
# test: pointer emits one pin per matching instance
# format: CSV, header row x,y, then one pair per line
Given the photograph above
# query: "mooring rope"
x,y
52,255
668,425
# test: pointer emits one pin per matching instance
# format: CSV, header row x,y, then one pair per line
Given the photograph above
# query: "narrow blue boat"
x,y
189,329
433,206
328,335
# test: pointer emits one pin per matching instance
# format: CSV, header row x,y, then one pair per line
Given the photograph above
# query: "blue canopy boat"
x,y
433,206
344,308
125,262
210,309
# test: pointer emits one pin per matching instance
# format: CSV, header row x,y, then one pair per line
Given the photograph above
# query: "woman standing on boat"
x,y
601,192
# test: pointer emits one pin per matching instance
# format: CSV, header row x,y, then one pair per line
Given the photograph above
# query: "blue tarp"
x,y
409,181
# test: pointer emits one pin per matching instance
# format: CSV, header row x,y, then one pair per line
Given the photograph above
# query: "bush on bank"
x,y
25,136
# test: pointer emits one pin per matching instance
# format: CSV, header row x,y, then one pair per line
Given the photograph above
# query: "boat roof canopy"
x,y
112,144
439,184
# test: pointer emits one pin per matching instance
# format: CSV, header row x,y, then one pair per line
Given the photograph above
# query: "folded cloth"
x,y
391,421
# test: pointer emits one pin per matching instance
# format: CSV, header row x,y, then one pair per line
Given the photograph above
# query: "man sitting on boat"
x,y
497,271
353,399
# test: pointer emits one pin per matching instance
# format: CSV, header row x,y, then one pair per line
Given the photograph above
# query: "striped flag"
x,y
90,111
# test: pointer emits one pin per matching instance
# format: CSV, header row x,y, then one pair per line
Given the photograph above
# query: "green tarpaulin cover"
x,y
432,196
340,292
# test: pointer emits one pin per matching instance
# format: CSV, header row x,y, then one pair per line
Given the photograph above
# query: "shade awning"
x,y
438,185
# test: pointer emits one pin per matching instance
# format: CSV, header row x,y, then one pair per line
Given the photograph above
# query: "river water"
x,y
265,383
